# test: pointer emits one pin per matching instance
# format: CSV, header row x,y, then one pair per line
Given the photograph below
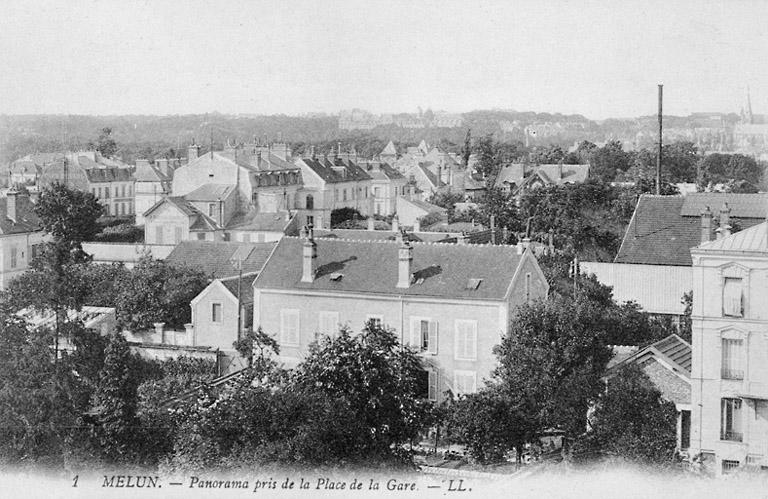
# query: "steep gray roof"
x,y
214,258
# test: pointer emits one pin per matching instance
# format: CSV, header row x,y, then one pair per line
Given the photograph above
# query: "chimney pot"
x,y
725,219
404,260
309,254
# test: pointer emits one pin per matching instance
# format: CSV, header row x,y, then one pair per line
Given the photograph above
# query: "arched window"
x,y
310,202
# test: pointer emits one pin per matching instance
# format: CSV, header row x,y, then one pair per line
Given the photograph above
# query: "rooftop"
x,y
210,192
215,258
371,267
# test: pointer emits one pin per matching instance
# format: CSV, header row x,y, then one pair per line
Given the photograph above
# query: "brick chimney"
x,y
404,260
11,204
193,152
725,219
706,225
309,254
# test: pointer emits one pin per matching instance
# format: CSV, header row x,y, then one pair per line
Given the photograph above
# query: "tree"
x,y
606,161
722,168
375,378
115,403
69,215
105,144
466,151
490,424
632,419
156,291
553,357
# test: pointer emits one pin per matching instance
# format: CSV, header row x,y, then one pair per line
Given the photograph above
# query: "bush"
x,y
121,233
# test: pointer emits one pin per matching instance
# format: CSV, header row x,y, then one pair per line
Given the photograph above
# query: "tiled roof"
x,y
667,363
423,205
98,175
431,177
372,267
213,258
210,192
270,222
383,172
26,220
389,150
378,235
753,239
324,168
246,286
741,205
149,173
659,234
551,173
177,201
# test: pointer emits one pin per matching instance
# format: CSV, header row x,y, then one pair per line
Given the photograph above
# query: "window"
x,y
106,209
733,303
177,235
424,334
375,192
729,465
159,234
106,192
335,194
310,220
464,382
685,429
122,190
343,194
465,343
211,209
732,354
289,327
201,236
730,420
427,384
328,324
377,320
310,202
13,257
115,191
215,312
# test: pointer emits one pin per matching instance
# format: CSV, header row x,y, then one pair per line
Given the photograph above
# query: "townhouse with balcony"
x,y
729,375
450,302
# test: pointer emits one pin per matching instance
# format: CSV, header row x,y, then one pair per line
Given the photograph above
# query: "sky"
x,y
598,59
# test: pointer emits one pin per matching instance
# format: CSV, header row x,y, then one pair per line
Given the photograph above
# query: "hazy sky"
x,y
599,59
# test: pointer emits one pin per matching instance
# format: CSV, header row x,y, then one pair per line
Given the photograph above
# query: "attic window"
x,y
473,283
336,276
420,280
210,175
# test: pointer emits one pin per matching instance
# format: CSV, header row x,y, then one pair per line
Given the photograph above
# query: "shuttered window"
x,y
731,362
465,343
733,297
215,312
433,385
327,324
424,334
289,327
731,420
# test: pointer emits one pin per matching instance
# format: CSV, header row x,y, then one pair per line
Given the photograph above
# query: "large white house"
x,y
729,376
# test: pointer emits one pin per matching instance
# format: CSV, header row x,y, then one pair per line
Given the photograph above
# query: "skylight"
x,y
473,283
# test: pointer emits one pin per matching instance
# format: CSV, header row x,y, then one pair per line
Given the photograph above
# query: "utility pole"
x,y
658,156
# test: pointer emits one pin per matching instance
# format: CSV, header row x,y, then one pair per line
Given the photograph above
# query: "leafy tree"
x,y
553,357
633,421
38,405
156,291
490,424
685,321
257,346
105,144
69,215
343,214
722,168
466,151
372,375
115,403
605,161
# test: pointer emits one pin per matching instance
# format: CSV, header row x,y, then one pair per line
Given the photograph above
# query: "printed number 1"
x,y
74,480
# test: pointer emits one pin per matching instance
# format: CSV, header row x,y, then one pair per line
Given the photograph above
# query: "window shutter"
x,y
732,297
433,386
432,346
471,341
409,339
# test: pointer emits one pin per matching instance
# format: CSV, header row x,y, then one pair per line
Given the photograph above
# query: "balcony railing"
x,y
731,373
733,436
